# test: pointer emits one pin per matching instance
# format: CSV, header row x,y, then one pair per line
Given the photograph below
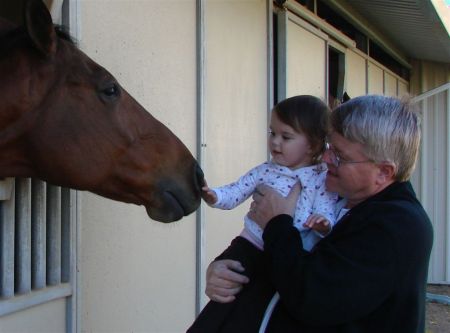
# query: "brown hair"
x,y
308,115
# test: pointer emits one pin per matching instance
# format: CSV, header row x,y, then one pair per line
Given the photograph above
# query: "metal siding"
x,y
434,176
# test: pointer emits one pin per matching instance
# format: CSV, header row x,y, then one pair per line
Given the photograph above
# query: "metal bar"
x,y
270,64
447,184
282,21
70,19
53,235
34,298
38,232
6,186
201,145
7,213
432,92
23,236
65,235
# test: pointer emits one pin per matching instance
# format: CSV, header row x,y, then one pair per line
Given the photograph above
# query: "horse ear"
x,y
39,25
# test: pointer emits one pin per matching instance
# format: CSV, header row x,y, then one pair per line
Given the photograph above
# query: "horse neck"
x,y
14,161
16,120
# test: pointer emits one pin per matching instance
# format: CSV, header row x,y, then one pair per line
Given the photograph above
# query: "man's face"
x,y
356,177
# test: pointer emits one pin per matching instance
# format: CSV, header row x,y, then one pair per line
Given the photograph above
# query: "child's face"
x,y
287,146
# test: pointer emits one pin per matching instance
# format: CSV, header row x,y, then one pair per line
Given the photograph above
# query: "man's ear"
x,y
386,172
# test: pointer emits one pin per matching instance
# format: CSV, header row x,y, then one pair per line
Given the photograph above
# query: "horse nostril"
x,y
199,177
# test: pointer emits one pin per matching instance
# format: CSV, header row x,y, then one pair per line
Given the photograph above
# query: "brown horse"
x,y
66,120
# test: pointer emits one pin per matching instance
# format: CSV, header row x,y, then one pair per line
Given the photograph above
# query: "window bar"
x,y
38,234
53,235
65,235
23,236
7,248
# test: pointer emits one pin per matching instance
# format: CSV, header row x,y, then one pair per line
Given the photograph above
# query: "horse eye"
x,y
111,91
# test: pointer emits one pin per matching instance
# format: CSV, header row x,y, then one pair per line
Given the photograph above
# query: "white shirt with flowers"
x,y
313,198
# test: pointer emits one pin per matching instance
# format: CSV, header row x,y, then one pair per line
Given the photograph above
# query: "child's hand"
x,y
318,223
208,195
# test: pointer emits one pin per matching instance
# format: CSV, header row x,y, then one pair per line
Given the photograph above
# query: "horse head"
x,y
65,119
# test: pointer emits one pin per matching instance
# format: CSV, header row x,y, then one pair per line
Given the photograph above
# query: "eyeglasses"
x,y
337,160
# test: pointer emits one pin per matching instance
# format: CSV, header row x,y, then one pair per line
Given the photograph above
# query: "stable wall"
x,y
137,275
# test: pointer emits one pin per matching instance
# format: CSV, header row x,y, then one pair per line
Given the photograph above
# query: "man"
x,y
369,274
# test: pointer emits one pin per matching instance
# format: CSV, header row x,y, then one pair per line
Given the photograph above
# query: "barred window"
x,y
35,243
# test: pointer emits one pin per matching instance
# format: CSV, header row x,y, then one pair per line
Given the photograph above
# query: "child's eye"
x,y
286,137
271,133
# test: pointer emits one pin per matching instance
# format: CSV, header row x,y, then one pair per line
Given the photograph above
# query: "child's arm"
x,y
208,195
318,223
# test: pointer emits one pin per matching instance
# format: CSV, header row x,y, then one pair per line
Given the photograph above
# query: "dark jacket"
x,y
368,275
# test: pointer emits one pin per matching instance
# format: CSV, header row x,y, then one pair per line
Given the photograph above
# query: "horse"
x,y
66,120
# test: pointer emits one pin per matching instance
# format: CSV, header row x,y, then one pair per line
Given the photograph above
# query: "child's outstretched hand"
x,y
208,195
318,223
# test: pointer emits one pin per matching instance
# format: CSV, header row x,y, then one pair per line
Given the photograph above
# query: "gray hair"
x,y
387,127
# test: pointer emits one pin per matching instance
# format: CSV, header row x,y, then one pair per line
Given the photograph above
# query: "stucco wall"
x,y
137,275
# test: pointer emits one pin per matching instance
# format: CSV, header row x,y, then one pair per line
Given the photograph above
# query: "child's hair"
x,y
307,115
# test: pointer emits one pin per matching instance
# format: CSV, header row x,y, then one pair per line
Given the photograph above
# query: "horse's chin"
x,y
171,210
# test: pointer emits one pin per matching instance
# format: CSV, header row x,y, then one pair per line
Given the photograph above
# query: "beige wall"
x,y
427,75
137,275
306,54
45,318
355,73
235,107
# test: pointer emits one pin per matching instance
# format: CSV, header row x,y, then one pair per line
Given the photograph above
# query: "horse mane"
x,y
63,32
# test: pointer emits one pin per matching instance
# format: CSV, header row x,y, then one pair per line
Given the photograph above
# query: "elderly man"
x,y
369,274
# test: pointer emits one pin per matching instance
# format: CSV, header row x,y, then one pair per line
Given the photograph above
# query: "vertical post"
x,y
23,236
447,186
53,235
270,63
282,31
38,230
7,247
201,145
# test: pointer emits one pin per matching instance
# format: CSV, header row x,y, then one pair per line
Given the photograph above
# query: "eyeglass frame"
x,y
337,160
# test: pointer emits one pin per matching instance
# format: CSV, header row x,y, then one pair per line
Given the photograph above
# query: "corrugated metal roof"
x,y
412,25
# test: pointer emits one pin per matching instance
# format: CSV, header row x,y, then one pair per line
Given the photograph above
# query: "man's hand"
x,y
223,281
268,203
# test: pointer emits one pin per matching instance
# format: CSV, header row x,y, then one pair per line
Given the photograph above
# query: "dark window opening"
x,y
309,4
336,73
331,17
382,57
362,42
